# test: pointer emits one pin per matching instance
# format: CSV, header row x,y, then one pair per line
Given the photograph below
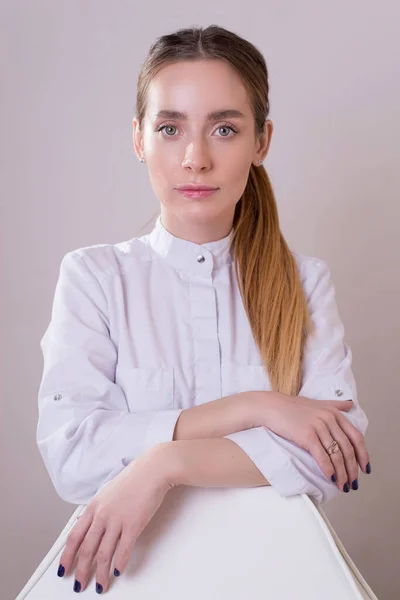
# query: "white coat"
x,y
146,328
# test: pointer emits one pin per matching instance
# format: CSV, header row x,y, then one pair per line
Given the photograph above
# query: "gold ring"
x,y
333,448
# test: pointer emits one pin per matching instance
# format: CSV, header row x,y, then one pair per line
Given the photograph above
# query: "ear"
x,y
263,142
137,138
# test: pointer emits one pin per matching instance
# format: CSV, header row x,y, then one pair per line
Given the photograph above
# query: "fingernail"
x,y
61,571
346,487
368,468
333,478
354,485
77,586
116,573
99,588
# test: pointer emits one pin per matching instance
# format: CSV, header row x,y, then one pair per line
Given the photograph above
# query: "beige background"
x,y
70,178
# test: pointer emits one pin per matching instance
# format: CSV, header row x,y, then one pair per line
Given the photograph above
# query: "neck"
x,y
196,231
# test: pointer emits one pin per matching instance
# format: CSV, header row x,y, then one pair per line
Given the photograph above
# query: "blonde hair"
x,y
266,270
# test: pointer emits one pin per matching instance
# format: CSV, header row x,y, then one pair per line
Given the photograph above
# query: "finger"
x,y
357,439
317,450
74,540
344,405
349,455
123,554
337,460
104,556
88,550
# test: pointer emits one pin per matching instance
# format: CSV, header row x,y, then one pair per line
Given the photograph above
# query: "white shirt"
x,y
145,328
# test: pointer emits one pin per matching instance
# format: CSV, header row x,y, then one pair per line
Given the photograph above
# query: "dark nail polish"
x,y
368,468
61,571
333,478
77,586
346,487
354,485
99,588
116,573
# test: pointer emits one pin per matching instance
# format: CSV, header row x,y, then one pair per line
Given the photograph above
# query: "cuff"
x,y
336,389
161,427
274,462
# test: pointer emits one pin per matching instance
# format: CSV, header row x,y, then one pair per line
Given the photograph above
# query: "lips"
x,y
196,191
195,188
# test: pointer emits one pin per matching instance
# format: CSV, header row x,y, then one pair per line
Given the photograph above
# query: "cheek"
x,y
237,172
162,158
162,174
160,162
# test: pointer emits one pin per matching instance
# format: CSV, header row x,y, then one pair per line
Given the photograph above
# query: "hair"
x,y
266,270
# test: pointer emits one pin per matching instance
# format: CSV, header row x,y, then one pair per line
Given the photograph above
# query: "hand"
x,y
313,425
119,512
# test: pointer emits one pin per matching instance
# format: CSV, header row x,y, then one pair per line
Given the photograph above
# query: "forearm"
x,y
215,462
217,418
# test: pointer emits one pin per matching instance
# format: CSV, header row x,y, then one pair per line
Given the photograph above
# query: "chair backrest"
x,y
223,544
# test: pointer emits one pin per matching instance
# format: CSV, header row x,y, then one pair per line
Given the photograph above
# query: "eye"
x,y
233,130
166,126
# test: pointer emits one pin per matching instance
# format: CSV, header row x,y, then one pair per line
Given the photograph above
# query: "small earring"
x,y
260,162
142,159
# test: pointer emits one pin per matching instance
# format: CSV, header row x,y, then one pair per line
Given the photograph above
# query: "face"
x,y
199,147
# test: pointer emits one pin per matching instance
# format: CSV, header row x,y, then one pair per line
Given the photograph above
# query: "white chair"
x,y
222,544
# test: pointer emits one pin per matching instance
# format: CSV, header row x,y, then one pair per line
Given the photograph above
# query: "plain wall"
x,y
70,178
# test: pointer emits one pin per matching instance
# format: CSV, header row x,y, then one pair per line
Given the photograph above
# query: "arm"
x,y
217,418
85,433
213,462
327,375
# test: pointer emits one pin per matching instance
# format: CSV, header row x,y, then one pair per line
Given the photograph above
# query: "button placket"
x,y
207,371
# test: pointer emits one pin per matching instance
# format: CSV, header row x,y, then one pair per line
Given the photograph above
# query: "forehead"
x,y
197,88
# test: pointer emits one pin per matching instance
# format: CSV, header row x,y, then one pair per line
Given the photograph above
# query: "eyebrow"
x,y
217,115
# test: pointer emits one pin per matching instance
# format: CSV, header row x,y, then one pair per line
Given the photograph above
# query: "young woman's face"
x,y
198,147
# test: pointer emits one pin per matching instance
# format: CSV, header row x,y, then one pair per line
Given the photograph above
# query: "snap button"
x,y
339,392
57,397
200,258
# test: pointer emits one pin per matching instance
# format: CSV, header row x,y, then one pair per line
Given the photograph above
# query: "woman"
x,y
206,353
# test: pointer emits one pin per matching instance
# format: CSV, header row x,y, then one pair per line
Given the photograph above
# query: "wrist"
x,y
248,409
263,403
166,462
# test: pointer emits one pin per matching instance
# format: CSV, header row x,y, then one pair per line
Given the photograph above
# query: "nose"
x,y
197,157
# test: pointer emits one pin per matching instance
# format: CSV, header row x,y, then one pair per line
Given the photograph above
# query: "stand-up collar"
x,y
186,255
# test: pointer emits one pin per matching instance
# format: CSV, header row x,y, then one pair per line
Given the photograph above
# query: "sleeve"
x,y
85,433
326,375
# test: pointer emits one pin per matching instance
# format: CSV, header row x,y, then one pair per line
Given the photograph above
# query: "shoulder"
x,y
107,260
308,264
313,271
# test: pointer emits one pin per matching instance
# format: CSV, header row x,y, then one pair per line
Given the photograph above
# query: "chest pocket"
x,y
146,388
244,378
